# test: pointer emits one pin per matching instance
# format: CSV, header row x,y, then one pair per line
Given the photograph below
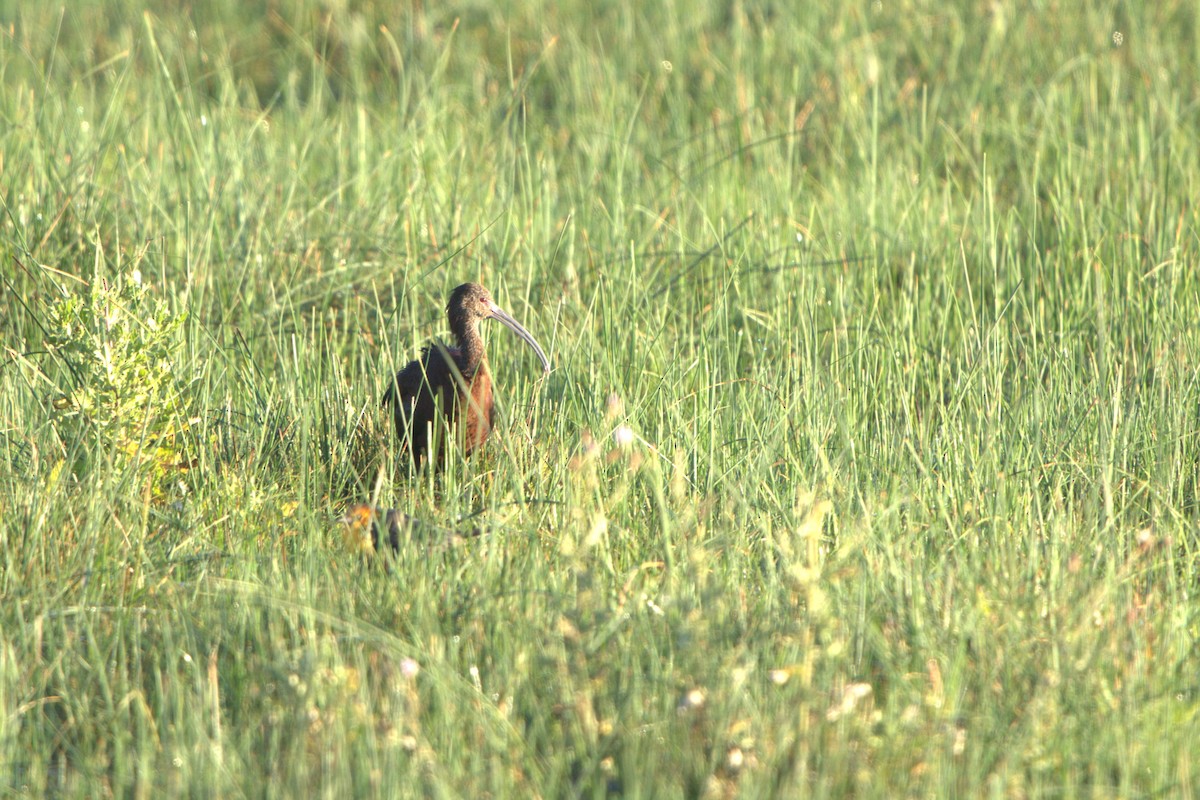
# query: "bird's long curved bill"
x,y
501,315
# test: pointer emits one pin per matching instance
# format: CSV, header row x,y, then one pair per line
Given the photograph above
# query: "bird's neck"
x,y
470,345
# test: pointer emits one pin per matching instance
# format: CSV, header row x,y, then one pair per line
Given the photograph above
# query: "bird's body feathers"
x,y
441,388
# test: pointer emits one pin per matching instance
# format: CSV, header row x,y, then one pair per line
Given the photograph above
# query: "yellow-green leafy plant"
x,y
121,390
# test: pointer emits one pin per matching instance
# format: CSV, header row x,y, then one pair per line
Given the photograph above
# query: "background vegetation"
x,y
896,301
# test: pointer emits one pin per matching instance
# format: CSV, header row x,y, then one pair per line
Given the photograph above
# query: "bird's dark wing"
x,y
407,384
415,391
415,379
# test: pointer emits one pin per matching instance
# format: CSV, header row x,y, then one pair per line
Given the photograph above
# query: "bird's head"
x,y
470,303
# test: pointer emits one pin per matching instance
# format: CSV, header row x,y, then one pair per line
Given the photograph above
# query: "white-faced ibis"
x,y
454,382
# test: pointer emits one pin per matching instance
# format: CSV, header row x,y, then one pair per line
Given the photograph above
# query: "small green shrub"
x,y
121,391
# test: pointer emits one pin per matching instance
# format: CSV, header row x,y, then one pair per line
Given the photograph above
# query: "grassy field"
x,y
899,303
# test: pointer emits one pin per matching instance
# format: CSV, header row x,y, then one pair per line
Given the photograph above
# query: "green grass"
x,y
900,302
